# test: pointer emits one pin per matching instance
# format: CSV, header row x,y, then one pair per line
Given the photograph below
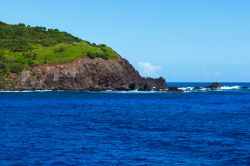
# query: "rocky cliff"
x,y
84,74
42,58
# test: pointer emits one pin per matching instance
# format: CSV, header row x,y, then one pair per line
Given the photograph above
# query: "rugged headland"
x,y
83,73
39,58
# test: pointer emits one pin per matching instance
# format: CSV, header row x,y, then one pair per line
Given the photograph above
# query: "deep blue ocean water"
x,y
87,128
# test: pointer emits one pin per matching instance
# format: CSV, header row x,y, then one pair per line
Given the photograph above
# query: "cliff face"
x,y
84,73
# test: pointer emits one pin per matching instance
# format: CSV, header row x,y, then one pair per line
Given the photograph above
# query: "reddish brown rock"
x,y
84,74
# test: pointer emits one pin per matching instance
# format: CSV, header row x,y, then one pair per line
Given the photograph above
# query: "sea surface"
x,y
126,128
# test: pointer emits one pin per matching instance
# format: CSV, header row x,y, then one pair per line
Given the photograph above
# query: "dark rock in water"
x,y
197,88
214,85
173,89
155,84
244,88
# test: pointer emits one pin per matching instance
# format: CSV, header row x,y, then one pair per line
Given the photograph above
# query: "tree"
x,y
1,57
2,66
16,68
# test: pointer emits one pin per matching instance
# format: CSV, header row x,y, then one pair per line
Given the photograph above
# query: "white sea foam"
x,y
224,88
7,91
186,88
133,91
230,87
24,91
203,89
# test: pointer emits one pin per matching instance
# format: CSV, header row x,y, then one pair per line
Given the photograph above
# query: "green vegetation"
x,y
22,46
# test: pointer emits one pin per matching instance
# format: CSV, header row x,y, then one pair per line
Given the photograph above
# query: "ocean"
x,y
126,128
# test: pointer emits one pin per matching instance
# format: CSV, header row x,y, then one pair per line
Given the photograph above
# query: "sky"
x,y
183,41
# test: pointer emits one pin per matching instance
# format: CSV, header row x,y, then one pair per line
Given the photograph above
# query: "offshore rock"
x,y
214,86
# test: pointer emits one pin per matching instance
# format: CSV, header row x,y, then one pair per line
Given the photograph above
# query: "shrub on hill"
x,y
22,46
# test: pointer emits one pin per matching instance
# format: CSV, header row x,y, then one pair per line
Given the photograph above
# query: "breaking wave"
x,y
181,88
223,88
24,91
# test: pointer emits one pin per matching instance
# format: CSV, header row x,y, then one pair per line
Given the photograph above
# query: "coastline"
x,y
183,87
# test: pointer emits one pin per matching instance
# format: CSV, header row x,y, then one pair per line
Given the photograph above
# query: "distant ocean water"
x,y
126,128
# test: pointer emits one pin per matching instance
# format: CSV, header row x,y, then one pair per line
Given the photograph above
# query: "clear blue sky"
x,y
192,40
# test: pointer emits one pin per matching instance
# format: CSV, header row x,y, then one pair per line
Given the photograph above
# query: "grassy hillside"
x,y
22,46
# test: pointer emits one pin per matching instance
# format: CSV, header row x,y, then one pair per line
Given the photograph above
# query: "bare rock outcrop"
x,y
84,74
